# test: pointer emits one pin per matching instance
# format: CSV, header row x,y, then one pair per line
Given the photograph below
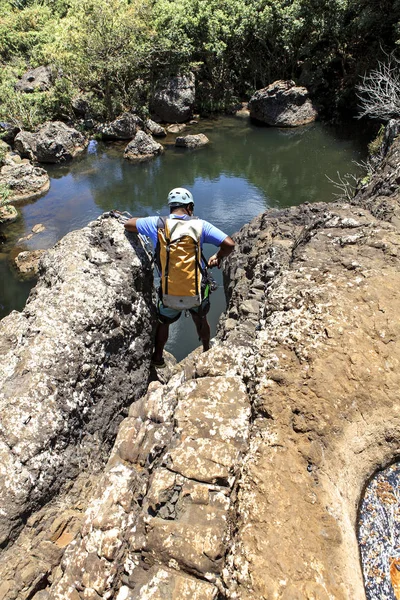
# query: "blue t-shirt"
x,y
209,235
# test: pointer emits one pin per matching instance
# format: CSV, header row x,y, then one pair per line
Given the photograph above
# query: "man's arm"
x,y
130,225
225,249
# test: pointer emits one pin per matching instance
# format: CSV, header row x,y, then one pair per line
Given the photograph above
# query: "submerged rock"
x,y
142,147
282,104
192,141
54,142
72,360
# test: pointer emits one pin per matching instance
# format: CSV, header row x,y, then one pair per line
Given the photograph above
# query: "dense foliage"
x,y
111,53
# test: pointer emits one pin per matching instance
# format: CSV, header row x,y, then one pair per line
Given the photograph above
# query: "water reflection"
x,y
243,171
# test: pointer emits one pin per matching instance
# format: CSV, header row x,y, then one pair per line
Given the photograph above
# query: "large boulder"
x,y
35,80
24,180
54,142
122,128
142,147
282,104
72,360
173,100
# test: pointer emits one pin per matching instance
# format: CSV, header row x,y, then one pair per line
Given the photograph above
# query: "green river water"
x,y
245,170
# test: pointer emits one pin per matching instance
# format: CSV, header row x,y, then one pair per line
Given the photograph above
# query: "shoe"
x,y
158,363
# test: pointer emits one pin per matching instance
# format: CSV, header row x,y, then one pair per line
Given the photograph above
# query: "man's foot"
x,y
155,362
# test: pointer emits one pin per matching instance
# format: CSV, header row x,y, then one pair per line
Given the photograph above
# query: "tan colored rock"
x,y
165,583
27,262
39,228
8,213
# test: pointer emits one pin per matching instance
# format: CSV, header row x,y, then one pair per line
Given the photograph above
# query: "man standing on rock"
x,y
181,204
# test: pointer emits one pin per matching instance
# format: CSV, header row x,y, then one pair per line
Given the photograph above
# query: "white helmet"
x,y
180,196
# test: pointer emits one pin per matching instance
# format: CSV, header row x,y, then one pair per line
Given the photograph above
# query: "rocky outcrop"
x,y
173,100
122,128
241,476
54,142
23,180
192,141
282,104
35,80
142,147
72,360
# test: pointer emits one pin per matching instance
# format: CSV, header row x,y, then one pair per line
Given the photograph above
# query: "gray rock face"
x,y
35,80
8,131
192,141
155,128
282,104
173,101
71,361
122,128
54,142
142,147
25,181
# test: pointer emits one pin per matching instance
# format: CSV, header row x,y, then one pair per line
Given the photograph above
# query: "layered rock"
x,y
72,360
54,142
282,104
23,180
173,100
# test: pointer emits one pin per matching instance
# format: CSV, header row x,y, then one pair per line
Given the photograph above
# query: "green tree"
x,y
100,46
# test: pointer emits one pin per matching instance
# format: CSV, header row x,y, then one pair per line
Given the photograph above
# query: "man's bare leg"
x,y
161,339
203,330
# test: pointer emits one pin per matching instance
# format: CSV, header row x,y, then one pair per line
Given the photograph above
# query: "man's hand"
x,y
214,261
225,249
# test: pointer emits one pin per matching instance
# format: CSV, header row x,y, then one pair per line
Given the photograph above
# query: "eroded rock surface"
x,y
282,104
71,361
24,180
142,147
122,128
173,100
27,263
54,142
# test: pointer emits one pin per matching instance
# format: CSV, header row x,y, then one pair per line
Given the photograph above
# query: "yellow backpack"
x,y
178,257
